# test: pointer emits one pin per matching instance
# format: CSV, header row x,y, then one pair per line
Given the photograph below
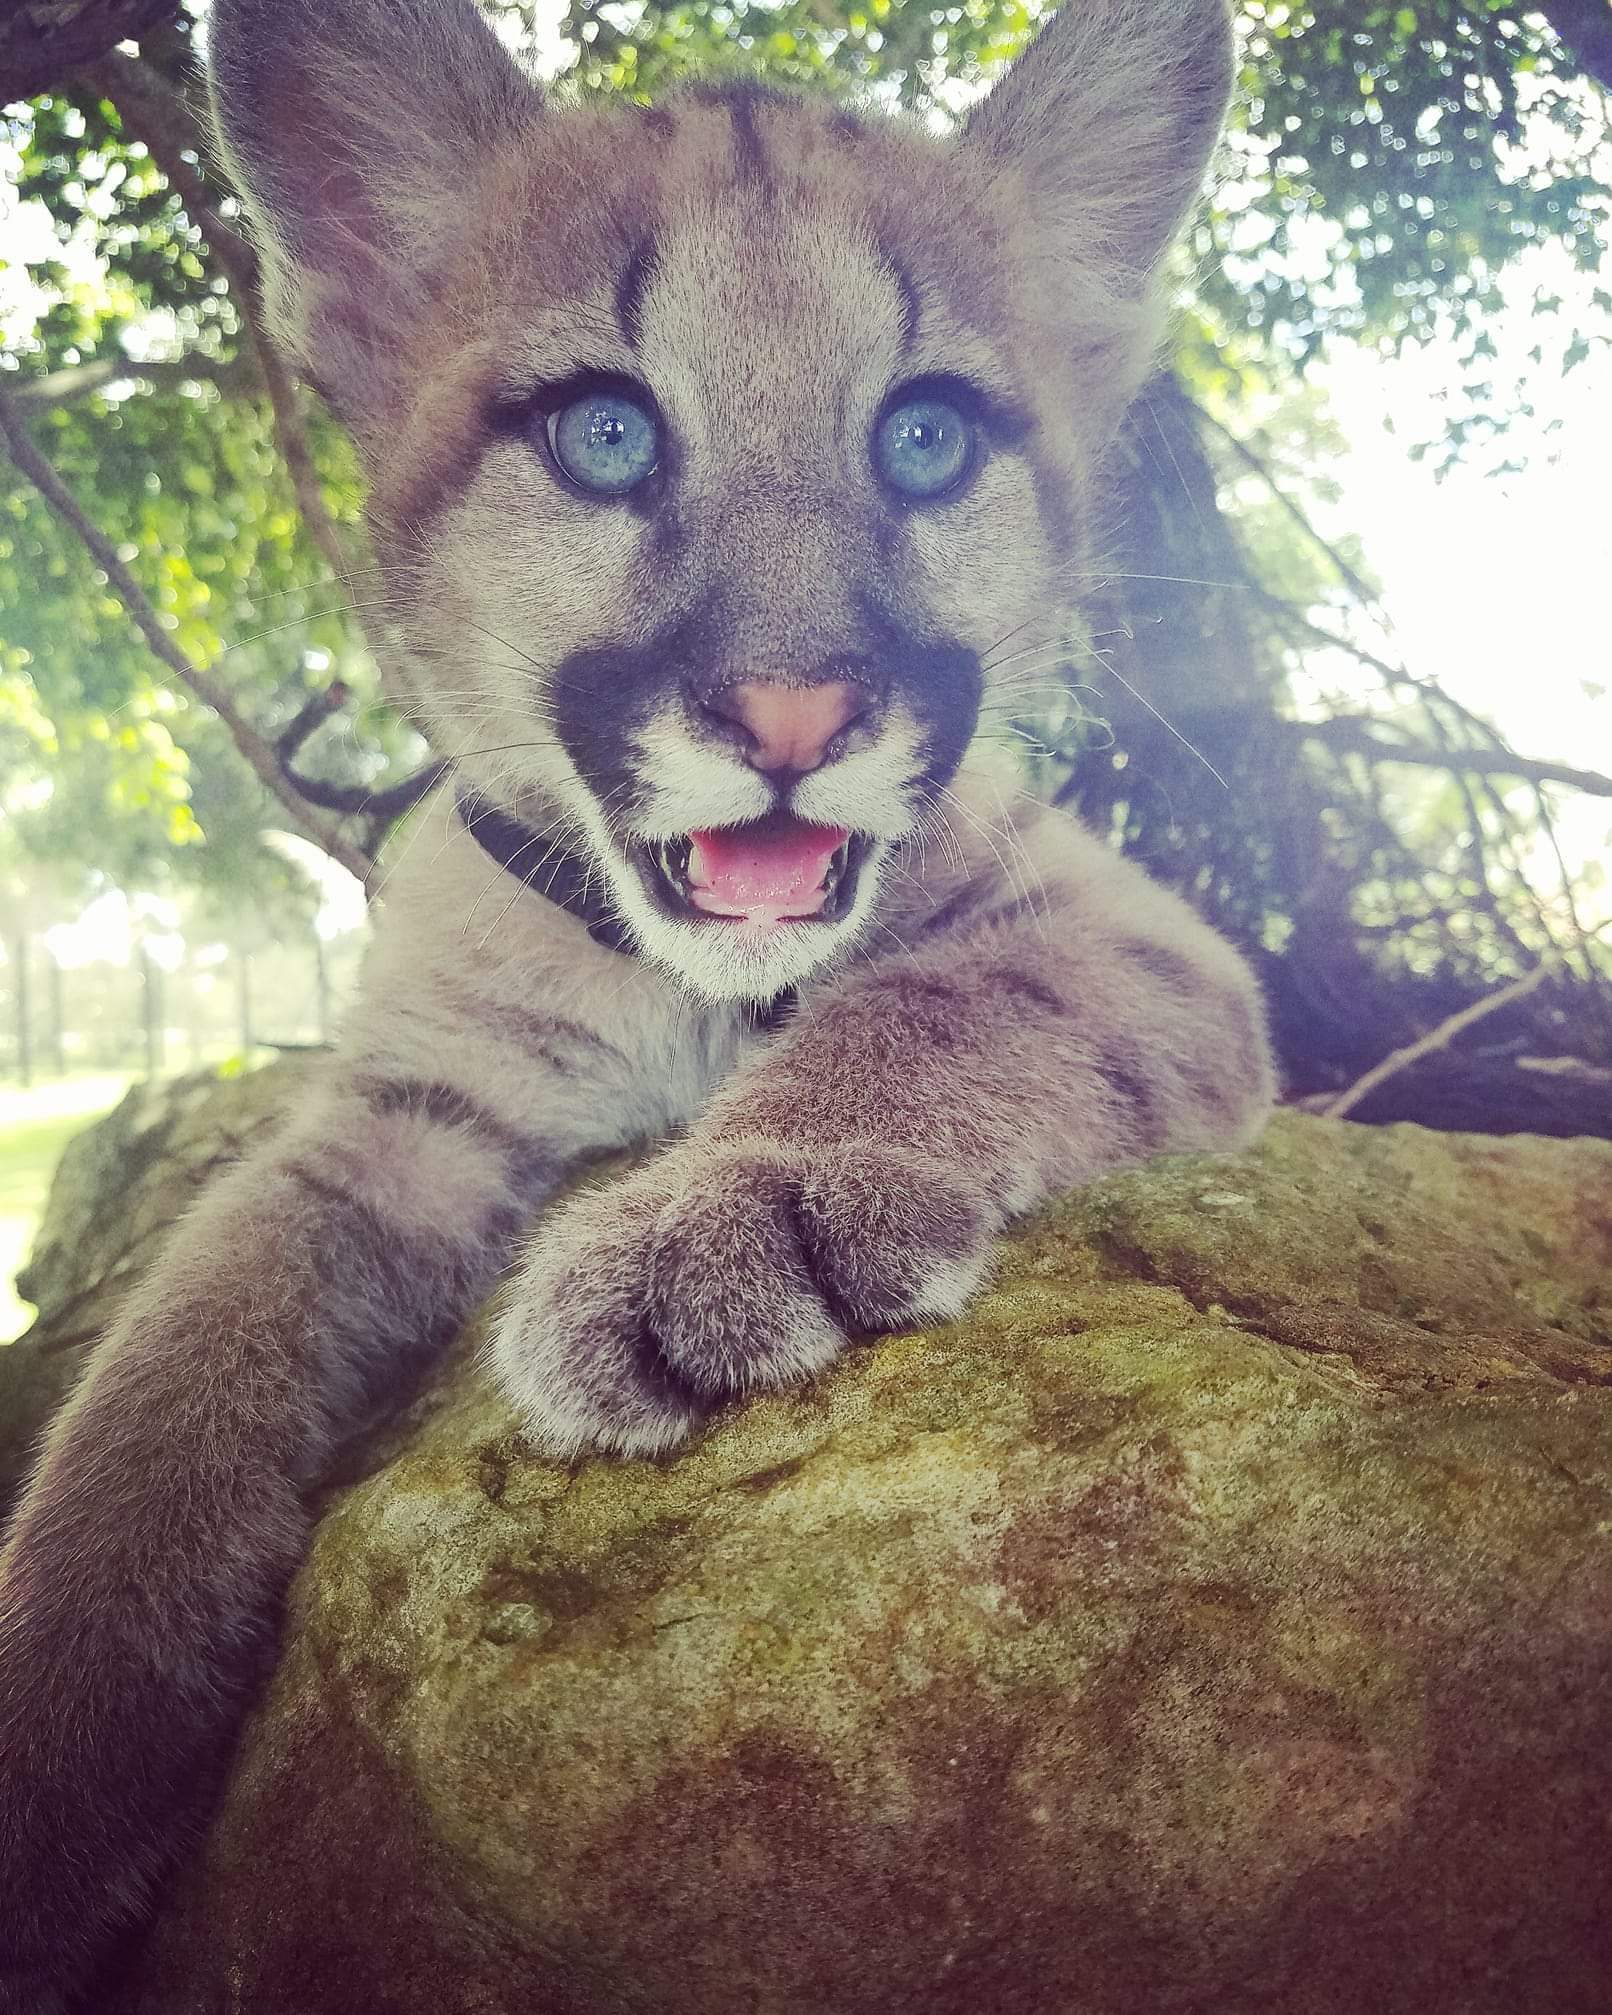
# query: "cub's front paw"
x,y
721,1271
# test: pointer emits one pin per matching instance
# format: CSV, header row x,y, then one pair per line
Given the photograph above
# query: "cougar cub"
x,y
728,459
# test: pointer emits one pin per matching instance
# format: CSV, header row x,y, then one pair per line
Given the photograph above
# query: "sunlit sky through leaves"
x,y
1496,578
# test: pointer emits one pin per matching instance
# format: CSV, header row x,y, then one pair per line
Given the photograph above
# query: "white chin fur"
x,y
730,962
735,962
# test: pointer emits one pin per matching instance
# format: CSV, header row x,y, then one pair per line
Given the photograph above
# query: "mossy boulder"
x,y
1218,1620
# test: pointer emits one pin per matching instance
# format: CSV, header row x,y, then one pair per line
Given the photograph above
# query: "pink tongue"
x,y
762,873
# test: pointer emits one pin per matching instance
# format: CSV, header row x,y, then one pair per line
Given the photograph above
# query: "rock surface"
x,y
1219,1620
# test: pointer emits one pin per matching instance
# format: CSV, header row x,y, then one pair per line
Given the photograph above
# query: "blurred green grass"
x,y
35,1125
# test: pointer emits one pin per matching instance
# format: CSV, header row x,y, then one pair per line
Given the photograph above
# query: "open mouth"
x,y
772,871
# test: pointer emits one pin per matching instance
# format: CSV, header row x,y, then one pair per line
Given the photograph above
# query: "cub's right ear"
x,y
1109,117
356,131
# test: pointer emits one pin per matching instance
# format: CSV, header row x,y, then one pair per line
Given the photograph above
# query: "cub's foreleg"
x,y
1025,1035
140,1585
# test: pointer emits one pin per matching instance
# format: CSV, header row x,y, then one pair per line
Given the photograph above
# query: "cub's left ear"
x,y
1110,117
357,132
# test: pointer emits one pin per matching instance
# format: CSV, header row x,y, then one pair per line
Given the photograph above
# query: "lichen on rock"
x,y
1218,1619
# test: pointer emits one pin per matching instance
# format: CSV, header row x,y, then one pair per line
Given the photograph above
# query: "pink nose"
x,y
788,727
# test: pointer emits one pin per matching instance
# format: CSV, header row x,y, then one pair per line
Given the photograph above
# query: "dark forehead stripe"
x,y
751,165
630,288
911,301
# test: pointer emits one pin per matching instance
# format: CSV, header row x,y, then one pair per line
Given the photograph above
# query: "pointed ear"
x,y
356,131
1110,117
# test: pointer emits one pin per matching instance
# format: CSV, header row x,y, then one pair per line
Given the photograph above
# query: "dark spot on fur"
x,y
529,1162
1020,985
938,1011
552,1040
603,697
958,907
1034,904
909,301
1123,1071
1213,1094
1171,969
1055,501
777,1014
390,1301
916,990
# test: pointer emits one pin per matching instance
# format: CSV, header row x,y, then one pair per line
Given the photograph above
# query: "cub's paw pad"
x,y
722,1271
572,1347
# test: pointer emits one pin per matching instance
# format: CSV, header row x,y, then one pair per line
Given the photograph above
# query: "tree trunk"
x,y
24,1011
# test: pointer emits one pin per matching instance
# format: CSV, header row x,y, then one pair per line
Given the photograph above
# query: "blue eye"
x,y
923,447
607,442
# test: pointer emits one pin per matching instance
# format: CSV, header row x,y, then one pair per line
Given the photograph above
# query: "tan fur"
x,y
1005,1007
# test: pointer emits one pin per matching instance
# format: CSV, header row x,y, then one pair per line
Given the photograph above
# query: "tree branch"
x,y
383,805
1398,677
83,381
257,750
292,440
43,41
1435,1039
1348,734
379,806
158,116
309,718
1352,579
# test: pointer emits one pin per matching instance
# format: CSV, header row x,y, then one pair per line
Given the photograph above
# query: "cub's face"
x,y
749,486
727,457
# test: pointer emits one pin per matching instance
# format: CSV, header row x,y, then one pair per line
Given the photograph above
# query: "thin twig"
x,y
257,750
383,805
1435,1039
1351,577
309,718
